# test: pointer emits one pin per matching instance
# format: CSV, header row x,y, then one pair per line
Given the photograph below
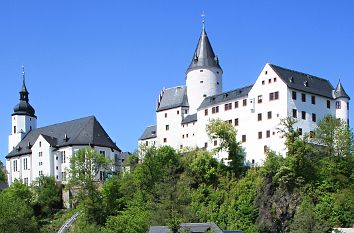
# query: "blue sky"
x,y
111,58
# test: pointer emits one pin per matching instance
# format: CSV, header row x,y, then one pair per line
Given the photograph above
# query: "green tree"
x,y
2,173
226,134
306,220
48,195
16,213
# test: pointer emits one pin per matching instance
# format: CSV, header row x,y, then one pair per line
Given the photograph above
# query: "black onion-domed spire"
x,y
204,56
24,108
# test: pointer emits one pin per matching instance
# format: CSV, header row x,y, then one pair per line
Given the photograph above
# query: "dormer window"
x,y
201,70
306,83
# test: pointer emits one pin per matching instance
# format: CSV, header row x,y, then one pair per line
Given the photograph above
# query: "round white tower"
x,y
23,119
342,103
204,74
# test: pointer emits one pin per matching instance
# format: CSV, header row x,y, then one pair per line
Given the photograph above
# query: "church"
x,y
183,112
46,151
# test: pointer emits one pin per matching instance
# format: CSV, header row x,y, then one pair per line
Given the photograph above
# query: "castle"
x,y
183,112
46,151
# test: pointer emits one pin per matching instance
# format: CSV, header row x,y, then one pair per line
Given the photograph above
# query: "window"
x,y
201,81
263,82
338,106
244,138
40,154
244,102
15,165
186,111
25,164
56,168
167,127
165,140
40,173
228,106
25,181
274,79
205,145
201,70
266,72
303,97
165,115
268,134
313,99
30,127
270,80
260,99
182,135
328,104
230,122
40,144
215,143
177,112
40,163
300,131
146,143
63,176
206,112
181,147
62,154
314,117
15,129
102,152
269,115
215,109
347,105
186,135
274,95
236,104
260,135
259,116
294,113
236,122
294,95
303,115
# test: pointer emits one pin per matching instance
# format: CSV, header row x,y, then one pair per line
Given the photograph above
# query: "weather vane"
x,y
23,72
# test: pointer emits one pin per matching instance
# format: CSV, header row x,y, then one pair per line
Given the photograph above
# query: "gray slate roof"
x,y
192,227
204,56
340,92
190,118
304,82
83,131
225,97
149,132
172,98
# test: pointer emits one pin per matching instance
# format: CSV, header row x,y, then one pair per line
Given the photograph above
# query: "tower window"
x,y
217,83
15,129
30,127
338,105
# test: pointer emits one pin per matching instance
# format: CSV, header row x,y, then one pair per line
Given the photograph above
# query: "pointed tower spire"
x,y
340,92
204,56
24,108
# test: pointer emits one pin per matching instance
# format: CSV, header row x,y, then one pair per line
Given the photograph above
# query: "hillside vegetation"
x,y
310,190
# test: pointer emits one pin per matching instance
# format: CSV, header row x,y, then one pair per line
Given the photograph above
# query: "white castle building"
x,y
47,151
255,111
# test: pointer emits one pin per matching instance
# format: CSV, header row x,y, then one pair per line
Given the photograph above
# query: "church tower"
x,y
204,74
23,118
342,102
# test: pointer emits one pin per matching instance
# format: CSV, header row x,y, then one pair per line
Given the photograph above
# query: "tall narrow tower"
x,y
342,102
23,118
204,74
